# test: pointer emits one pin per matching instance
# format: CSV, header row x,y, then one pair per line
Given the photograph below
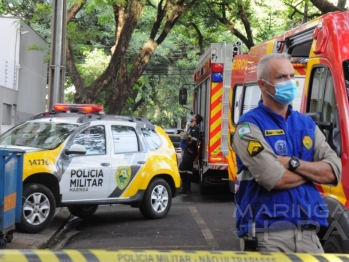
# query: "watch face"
x,y
294,163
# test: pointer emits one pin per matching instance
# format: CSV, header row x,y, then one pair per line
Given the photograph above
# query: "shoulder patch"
x,y
254,148
307,142
244,130
277,132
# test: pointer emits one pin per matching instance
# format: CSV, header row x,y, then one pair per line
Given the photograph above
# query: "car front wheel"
x,y
157,200
38,209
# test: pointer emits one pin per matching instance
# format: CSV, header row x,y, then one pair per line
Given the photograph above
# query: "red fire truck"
x,y
211,100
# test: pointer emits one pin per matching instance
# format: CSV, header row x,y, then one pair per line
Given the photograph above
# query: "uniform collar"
x,y
270,112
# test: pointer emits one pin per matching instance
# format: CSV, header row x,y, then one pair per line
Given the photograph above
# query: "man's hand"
x,y
319,172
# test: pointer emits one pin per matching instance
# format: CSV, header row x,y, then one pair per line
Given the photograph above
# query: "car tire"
x,y
38,208
334,244
157,200
83,211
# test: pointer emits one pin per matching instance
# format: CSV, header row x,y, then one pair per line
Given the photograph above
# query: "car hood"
x,y
24,148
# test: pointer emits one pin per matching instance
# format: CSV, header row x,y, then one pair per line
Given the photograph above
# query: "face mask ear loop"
x,y
271,85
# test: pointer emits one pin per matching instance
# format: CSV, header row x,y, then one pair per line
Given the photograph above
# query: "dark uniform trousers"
x,y
186,169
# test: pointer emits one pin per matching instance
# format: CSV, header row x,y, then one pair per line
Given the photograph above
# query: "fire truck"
x,y
211,100
320,55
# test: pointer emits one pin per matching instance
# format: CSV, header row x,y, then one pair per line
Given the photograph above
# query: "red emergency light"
x,y
84,108
217,67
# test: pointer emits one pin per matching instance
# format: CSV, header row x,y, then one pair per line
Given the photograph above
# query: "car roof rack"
x,y
54,114
134,119
83,117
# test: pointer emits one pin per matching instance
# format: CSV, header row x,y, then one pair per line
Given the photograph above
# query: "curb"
x,y
40,240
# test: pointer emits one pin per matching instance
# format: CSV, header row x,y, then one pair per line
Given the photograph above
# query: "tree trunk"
x,y
325,6
127,79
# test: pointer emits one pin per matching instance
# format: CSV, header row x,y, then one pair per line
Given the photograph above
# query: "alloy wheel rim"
x,y
159,199
36,209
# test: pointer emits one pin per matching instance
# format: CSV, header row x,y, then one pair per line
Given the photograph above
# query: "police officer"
x,y
280,154
190,154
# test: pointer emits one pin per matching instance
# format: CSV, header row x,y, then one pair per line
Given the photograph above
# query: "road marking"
x,y
211,241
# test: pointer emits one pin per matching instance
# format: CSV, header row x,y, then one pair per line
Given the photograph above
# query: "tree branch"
x,y
74,9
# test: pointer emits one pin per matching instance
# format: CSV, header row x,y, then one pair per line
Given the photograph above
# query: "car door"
x,y
86,177
127,159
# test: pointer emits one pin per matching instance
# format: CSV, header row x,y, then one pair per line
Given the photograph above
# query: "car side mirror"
x,y
76,149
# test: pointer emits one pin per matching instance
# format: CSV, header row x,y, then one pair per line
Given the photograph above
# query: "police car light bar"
x,y
84,108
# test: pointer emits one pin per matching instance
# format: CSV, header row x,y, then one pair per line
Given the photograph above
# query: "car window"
x,y
93,138
45,135
152,138
124,139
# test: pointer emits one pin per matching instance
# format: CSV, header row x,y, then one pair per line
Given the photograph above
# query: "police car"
x,y
78,157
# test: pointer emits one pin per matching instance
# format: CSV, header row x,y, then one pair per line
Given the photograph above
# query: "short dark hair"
x,y
198,118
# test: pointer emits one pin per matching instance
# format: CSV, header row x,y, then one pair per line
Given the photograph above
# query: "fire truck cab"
x,y
320,55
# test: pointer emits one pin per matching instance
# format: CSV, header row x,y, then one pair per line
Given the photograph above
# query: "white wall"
x,y
9,52
23,73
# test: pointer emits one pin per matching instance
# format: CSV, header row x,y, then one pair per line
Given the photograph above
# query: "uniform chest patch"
x,y
277,132
123,176
254,148
307,142
281,148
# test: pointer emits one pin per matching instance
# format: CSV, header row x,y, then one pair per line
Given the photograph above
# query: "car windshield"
x,y
38,134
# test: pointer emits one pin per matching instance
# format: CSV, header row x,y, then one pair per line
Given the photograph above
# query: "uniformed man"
x,y
190,154
280,154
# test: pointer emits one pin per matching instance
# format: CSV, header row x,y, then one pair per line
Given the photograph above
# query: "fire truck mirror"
x,y
183,96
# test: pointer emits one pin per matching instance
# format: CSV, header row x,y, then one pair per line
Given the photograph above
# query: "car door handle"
x,y
141,162
105,164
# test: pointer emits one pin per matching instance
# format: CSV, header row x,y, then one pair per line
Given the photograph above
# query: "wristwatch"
x,y
293,163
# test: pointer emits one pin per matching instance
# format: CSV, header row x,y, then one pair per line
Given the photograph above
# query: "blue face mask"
x,y
285,91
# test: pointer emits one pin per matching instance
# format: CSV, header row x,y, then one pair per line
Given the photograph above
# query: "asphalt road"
x,y
194,222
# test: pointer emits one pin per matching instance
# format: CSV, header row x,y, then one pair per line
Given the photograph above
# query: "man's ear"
x,y
262,84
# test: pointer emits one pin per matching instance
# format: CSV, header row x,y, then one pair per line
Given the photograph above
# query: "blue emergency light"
x,y
217,77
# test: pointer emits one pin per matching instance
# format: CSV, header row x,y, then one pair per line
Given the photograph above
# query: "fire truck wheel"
x,y
157,199
204,190
334,244
83,211
38,209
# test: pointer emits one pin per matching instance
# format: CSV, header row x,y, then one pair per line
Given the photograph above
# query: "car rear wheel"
x,y
38,209
157,199
83,211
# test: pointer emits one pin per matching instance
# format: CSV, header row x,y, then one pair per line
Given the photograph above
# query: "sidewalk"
x,y
37,241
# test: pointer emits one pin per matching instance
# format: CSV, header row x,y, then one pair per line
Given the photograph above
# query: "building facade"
x,y
23,73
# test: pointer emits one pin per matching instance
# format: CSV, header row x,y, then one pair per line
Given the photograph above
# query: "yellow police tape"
x,y
70,255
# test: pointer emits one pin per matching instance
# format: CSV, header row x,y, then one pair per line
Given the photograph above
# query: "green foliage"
x,y
94,64
92,35
1,8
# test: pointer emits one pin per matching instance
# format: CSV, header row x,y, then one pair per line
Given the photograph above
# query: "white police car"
x,y
78,157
